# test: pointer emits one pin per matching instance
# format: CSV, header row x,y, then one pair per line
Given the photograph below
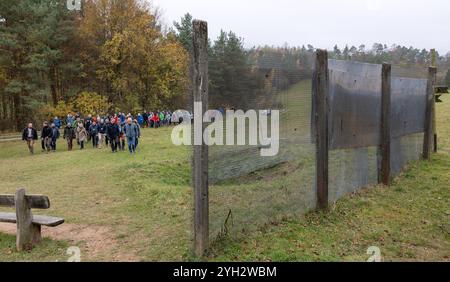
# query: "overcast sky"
x,y
322,23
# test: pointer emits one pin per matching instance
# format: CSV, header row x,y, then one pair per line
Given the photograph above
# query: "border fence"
x,y
344,125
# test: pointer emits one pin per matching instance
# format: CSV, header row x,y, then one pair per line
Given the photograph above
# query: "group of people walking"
x,y
113,130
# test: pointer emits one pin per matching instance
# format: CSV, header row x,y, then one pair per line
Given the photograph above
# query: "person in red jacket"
x,y
155,120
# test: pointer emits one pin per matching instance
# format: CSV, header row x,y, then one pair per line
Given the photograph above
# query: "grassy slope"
x,y
145,200
408,221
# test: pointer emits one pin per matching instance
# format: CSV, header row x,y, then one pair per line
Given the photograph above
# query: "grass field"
x,y
130,207
134,208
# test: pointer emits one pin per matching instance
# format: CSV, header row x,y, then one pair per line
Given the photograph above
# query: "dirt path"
x,y
96,242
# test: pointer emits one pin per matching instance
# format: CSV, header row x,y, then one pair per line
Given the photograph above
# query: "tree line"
x,y
111,55
118,56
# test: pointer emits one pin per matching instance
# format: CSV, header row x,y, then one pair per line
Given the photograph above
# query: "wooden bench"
x,y
28,225
440,90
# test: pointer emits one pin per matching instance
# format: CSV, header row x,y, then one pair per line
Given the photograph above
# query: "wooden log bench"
x,y
28,225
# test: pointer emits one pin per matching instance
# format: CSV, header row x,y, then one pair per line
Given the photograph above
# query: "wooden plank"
x,y
200,158
428,140
47,220
33,201
8,217
37,219
7,201
384,175
321,124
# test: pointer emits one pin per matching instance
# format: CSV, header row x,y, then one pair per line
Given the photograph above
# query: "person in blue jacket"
x,y
140,120
57,122
131,133
55,137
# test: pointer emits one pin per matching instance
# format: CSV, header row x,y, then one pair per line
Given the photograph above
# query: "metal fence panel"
x,y
355,104
408,105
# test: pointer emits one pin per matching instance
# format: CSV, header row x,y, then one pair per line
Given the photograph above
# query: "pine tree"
x,y
184,31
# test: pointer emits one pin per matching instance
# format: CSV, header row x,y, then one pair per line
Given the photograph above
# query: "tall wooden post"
x,y
384,175
430,113
435,137
200,158
320,86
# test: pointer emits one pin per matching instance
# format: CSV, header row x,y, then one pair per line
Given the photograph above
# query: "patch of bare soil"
x,y
95,242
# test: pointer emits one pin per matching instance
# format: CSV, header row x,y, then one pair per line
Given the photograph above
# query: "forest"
x,y
120,56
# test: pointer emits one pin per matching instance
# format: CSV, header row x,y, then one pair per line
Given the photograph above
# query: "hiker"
x,y
82,135
162,118
75,124
101,133
107,123
112,131
57,122
121,137
122,118
138,129
155,120
69,119
87,125
69,135
30,135
131,133
168,118
55,137
145,119
46,136
140,120
93,132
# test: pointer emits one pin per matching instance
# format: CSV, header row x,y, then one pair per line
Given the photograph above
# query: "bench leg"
x,y
27,233
36,233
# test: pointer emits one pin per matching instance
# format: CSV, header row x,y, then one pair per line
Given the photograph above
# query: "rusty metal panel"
x,y
355,104
408,106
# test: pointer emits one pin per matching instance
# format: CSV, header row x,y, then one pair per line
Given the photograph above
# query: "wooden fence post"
x,y
428,140
435,137
384,175
200,158
320,81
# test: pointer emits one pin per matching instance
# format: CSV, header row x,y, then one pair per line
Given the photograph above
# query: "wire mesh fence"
x,y
372,121
247,189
